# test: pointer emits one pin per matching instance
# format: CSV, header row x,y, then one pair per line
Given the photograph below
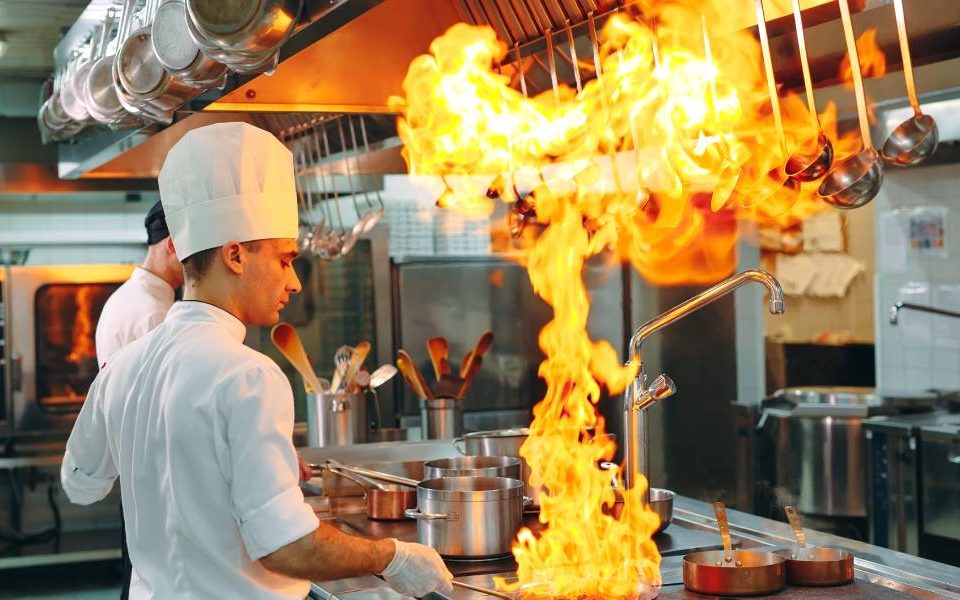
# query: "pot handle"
x,y
527,500
414,513
457,441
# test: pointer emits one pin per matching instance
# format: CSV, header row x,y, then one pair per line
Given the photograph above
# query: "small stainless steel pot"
x,y
385,501
469,518
473,466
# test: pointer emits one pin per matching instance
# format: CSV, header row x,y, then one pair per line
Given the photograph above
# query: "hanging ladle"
x,y
791,185
809,166
855,180
916,138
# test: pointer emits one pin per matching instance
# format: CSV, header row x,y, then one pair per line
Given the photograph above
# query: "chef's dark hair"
x,y
156,225
196,265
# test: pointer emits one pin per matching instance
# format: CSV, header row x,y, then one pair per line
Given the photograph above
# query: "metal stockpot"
x,y
245,34
815,437
470,518
500,442
473,466
178,52
336,419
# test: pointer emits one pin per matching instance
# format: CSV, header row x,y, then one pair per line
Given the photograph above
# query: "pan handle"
x,y
413,513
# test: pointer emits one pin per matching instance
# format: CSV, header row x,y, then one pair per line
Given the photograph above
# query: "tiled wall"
x,y
922,351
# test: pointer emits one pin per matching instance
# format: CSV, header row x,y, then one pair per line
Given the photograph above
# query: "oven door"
x,y
52,316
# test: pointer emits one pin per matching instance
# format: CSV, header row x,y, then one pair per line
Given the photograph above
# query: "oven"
x,y
47,328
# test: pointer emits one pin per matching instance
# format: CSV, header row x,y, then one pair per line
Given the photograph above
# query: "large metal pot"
x,y
500,442
179,53
244,34
472,466
815,438
470,518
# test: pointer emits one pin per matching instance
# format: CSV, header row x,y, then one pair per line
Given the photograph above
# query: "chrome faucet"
x,y
896,308
637,397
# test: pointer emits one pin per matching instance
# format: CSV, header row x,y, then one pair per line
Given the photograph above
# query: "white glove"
x,y
416,570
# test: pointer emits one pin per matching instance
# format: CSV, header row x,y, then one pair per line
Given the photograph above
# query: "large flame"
x,y
653,162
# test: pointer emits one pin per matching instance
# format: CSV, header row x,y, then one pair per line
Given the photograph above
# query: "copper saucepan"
x,y
815,565
733,572
385,502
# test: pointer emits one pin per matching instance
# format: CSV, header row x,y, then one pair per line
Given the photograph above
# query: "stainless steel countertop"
x,y
879,571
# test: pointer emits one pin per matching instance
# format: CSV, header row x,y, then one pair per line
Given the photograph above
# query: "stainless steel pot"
x,y
500,442
473,466
244,34
815,438
469,518
337,419
177,51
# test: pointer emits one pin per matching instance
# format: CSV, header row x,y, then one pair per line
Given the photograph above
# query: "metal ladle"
x,y
809,166
855,180
791,185
915,139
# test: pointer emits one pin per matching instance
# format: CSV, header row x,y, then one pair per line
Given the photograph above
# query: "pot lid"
x,y
174,47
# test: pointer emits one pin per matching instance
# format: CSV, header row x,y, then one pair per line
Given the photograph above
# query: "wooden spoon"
x,y
475,365
439,352
360,353
287,341
412,374
483,344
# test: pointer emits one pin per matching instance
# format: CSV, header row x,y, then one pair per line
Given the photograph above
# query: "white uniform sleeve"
x,y
267,501
88,471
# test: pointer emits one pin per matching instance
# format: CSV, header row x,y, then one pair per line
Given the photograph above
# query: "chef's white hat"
x,y
228,181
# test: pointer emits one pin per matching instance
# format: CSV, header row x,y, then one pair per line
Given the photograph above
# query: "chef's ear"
x,y
233,255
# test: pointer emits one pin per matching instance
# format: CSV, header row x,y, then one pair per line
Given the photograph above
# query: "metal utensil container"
x,y
336,419
441,418
473,466
469,518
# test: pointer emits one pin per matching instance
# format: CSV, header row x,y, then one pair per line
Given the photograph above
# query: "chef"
x,y
198,426
141,303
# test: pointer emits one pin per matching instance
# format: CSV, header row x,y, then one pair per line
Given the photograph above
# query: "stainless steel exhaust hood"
x,y
349,56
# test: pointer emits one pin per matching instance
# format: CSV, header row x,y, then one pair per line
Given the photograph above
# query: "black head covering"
x,y
156,224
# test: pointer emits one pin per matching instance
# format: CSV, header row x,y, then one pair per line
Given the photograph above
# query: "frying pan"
x,y
733,572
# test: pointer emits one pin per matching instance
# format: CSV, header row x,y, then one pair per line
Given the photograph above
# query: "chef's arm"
x,y
327,553
88,470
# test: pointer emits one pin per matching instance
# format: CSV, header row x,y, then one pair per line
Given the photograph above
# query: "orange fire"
x,y
653,162
82,337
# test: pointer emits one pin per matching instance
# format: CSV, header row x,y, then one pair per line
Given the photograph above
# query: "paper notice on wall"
x,y
947,297
823,233
892,243
915,326
928,230
817,274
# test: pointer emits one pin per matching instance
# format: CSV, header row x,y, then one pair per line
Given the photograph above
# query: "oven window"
x,y
66,321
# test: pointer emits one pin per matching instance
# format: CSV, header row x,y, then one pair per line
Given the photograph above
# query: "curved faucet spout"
x,y
637,397
706,297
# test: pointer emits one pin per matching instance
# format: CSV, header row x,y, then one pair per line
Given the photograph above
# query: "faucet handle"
x,y
662,387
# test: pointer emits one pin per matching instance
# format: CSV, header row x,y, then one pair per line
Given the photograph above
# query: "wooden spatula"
x,y
483,344
439,352
360,353
475,365
412,374
287,341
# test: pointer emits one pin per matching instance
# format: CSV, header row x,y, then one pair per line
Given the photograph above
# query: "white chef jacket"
x,y
199,428
136,307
